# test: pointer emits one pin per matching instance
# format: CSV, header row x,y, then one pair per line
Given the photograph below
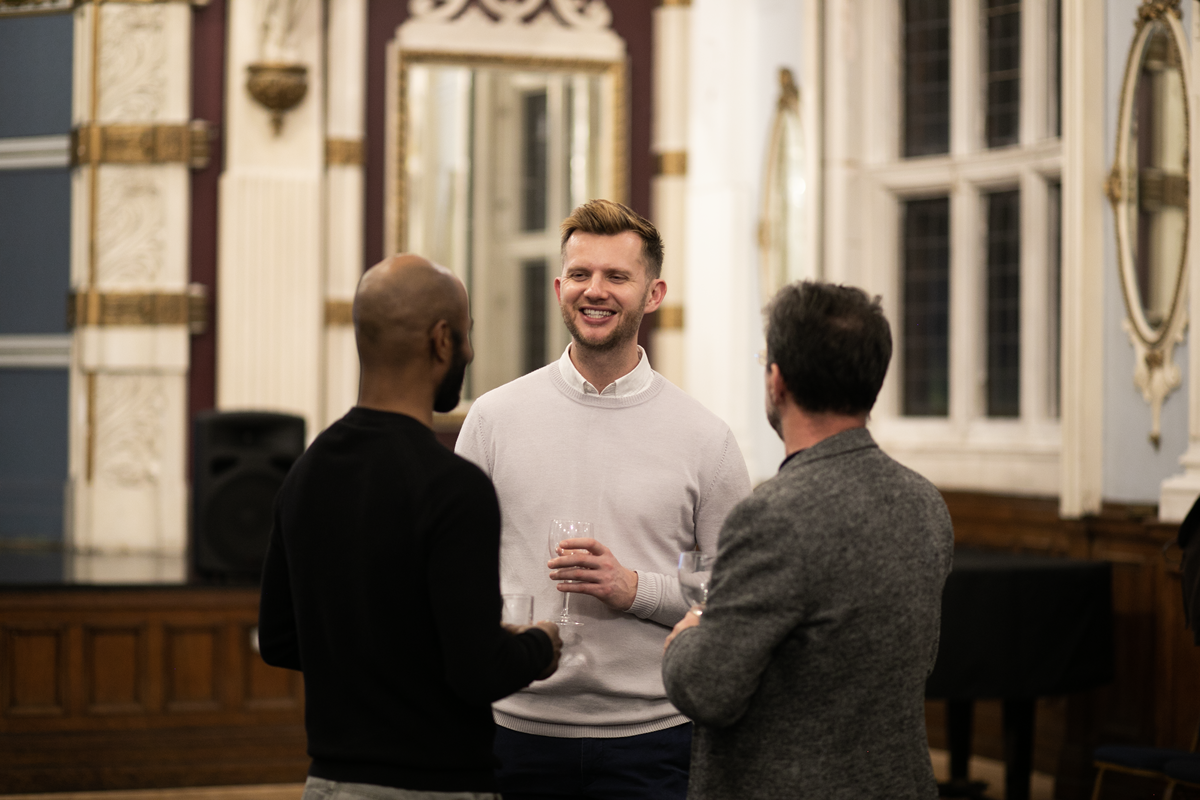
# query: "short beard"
x,y
626,332
446,398
773,417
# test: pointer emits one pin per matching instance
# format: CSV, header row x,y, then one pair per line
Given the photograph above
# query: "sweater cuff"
x,y
649,594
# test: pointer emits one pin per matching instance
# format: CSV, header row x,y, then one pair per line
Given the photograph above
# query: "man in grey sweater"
x,y
805,674
599,436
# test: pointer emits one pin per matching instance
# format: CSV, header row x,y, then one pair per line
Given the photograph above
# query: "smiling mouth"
x,y
596,313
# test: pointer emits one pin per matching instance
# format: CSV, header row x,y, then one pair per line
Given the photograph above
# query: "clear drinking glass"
x,y
567,529
695,571
518,609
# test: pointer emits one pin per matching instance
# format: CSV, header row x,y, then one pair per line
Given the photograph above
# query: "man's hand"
x,y
551,630
597,569
690,620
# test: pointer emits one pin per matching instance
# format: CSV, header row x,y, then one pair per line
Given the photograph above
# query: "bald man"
x,y
381,581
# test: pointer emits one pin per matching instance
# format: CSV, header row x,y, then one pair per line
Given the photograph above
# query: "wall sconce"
x,y
277,87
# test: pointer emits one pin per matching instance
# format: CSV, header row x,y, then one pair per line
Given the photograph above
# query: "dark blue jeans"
x,y
650,766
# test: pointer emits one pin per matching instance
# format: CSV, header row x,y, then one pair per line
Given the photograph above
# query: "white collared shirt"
x,y
632,382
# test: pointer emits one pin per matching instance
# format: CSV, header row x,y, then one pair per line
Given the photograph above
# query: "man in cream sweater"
x,y
599,436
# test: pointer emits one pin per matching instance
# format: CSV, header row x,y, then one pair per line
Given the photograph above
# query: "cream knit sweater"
x,y
656,473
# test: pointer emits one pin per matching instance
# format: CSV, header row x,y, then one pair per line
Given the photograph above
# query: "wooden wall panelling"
x,y
1177,704
34,681
141,688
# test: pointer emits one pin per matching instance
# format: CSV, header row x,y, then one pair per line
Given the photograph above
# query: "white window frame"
x,y
966,449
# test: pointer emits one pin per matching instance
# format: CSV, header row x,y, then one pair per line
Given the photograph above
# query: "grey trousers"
x,y
321,789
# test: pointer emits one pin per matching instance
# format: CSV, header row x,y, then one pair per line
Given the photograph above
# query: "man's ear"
x,y
441,342
654,298
776,388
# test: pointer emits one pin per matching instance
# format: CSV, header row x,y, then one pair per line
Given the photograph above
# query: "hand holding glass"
x,y
567,529
695,572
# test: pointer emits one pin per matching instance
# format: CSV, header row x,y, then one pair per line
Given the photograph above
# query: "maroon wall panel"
x,y
208,103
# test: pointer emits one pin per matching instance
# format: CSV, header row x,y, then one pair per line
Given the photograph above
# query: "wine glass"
x,y
695,572
567,529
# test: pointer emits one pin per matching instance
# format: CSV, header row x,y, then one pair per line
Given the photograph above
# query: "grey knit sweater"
x,y
806,675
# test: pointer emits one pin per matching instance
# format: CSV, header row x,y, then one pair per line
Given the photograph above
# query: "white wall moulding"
x,y
272,238
130,305
28,7
522,29
345,42
1083,253
35,351
669,186
35,152
1179,492
270,313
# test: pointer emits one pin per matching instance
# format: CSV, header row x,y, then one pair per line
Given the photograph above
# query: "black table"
x,y
1016,627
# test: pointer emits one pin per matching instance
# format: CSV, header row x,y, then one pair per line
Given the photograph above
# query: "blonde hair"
x,y
606,218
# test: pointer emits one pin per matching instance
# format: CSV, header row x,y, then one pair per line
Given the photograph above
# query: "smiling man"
x,y
601,437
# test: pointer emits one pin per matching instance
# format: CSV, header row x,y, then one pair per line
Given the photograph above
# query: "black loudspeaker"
x,y
241,459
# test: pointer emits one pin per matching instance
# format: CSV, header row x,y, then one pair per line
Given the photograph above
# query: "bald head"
x,y
398,302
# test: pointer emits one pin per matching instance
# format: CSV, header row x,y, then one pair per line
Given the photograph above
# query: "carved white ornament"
x,y
573,13
1155,372
129,428
280,19
133,58
131,229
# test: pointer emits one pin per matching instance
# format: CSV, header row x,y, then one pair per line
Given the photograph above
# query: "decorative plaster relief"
x,y
133,60
131,229
129,428
572,13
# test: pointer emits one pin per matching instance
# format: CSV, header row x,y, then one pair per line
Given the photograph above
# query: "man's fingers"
x,y
584,543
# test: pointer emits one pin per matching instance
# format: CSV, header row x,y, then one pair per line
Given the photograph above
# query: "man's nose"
x,y
595,287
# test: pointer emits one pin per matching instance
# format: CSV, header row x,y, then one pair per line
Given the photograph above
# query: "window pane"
x,y
534,279
533,163
926,57
926,307
1002,22
1004,304
1054,300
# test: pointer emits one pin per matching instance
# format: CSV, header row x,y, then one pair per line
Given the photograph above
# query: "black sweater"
x,y
382,586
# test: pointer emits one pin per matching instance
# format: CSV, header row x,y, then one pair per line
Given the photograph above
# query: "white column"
x,y
669,186
1179,492
1083,212
347,43
127,499
270,277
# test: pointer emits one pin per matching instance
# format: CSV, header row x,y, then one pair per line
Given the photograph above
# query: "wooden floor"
x,y
981,769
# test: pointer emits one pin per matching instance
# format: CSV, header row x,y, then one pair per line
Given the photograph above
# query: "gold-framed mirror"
x,y
781,222
1148,188
500,131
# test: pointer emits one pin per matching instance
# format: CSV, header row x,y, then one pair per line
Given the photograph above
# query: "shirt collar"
x,y
631,383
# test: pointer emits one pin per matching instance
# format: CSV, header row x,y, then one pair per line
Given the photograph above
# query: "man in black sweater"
x,y
381,581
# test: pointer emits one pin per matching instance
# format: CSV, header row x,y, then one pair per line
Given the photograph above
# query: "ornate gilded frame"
x,y
614,70
1155,373
787,108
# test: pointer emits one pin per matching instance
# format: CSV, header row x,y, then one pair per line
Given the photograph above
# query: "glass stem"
x,y
566,611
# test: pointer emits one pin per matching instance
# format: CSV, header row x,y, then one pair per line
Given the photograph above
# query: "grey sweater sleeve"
x,y
712,671
658,595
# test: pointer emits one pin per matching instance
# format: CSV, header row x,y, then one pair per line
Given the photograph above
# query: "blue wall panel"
x,y
35,75
35,250
33,454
